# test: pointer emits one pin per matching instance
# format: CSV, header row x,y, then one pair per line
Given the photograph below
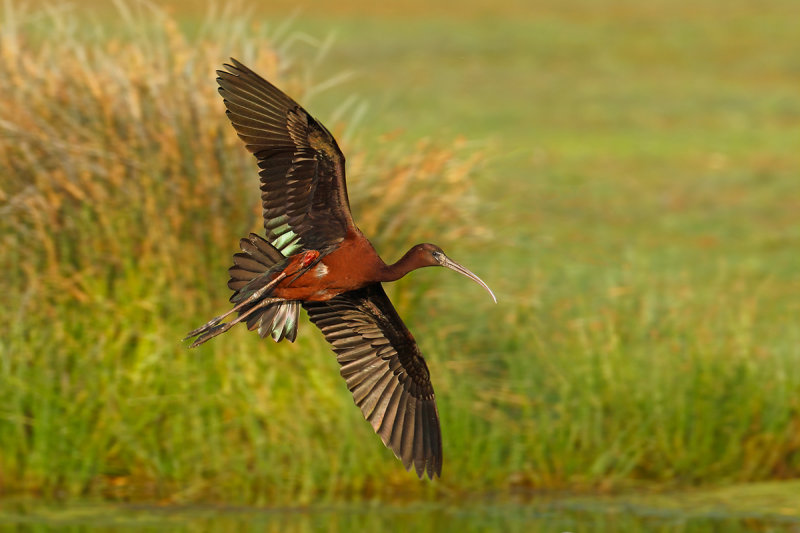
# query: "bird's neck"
x,y
403,266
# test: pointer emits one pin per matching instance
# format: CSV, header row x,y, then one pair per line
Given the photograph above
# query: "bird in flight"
x,y
314,256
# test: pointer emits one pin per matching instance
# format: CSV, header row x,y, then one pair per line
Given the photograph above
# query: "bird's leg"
x,y
214,326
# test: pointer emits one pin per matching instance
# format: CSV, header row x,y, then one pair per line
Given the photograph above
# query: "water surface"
x,y
569,515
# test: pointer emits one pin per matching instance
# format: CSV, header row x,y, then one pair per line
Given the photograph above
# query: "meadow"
x,y
627,180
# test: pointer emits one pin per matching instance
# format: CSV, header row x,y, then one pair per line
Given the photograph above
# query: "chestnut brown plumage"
x,y
315,256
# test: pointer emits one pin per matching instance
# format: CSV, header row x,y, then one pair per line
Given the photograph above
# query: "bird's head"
x,y
431,255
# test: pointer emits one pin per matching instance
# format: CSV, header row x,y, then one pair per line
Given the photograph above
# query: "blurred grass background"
x,y
625,176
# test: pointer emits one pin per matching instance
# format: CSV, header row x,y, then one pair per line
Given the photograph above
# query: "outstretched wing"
x,y
385,371
303,191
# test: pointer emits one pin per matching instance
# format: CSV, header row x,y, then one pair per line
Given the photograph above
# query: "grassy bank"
x,y
645,331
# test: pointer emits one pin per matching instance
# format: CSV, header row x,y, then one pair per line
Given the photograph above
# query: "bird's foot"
x,y
205,327
208,332
210,329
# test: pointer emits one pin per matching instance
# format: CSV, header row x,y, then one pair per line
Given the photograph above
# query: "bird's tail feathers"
x,y
257,258
252,280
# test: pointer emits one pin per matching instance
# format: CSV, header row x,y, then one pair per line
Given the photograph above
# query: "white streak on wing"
x,y
321,270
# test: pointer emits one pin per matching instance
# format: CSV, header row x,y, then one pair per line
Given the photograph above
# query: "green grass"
x,y
628,186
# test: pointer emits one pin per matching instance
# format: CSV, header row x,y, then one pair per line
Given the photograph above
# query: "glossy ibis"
x,y
314,256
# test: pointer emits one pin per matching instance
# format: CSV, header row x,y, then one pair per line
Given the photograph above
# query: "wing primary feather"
x,y
420,459
378,412
365,386
407,436
385,429
396,440
372,398
428,452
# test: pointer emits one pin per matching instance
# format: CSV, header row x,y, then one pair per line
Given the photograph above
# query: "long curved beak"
x,y
452,265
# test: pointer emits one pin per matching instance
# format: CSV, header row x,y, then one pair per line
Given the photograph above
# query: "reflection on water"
x,y
550,517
